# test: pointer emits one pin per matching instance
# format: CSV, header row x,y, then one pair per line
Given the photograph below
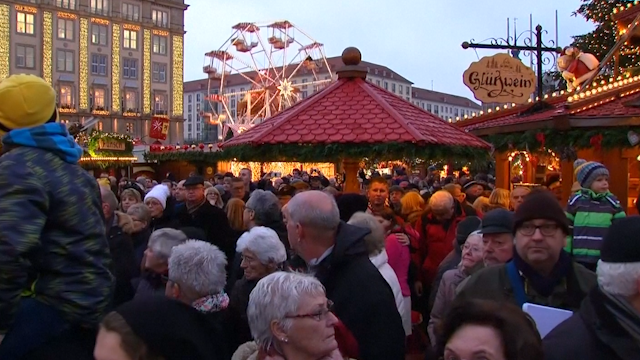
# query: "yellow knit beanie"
x,y
26,101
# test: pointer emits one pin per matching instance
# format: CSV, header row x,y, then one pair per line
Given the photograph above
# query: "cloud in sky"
x,y
419,39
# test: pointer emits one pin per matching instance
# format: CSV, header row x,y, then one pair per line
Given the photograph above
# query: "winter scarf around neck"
x,y
212,303
544,285
624,314
52,137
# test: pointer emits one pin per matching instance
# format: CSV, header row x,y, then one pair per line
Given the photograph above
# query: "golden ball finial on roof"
x,y
351,56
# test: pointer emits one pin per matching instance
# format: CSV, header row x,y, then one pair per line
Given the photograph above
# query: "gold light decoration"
x,y
328,169
255,168
63,15
47,46
115,68
26,9
146,68
5,31
131,27
84,64
177,75
160,33
100,21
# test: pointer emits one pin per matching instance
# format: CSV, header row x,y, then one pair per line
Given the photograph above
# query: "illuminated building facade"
x,y
118,60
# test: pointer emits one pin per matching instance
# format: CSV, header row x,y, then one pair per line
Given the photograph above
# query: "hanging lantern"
x,y
201,146
193,146
185,147
169,148
210,146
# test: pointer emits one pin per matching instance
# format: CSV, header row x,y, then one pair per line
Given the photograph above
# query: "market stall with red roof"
x,y
349,120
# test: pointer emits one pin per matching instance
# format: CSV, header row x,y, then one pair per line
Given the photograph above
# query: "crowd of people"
x,y
293,268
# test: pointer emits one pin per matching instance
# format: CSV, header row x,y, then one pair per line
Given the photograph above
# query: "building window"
x,y
386,85
65,97
189,108
400,89
100,7
131,101
198,127
99,64
393,87
99,34
65,29
408,88
189,128
304,95
198,97
130,68
64,60
455,111
159,72
130,12
429,107
130,40
99,100
160,45
160,18
189,98
25,57
25,23
130,128
190,117
160,103
66,4
378,82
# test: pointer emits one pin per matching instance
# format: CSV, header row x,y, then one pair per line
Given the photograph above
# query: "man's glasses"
x,y
545,229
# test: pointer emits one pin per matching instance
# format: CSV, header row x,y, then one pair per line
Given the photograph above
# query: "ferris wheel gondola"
x,y
266,59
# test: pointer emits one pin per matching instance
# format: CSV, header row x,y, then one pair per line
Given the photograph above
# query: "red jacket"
x,y
436,241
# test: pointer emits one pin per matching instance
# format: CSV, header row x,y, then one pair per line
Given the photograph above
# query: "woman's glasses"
x,y
317,315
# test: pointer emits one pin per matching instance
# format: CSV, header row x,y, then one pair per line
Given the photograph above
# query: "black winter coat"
x,y
362,298
124,264
592,333
212,220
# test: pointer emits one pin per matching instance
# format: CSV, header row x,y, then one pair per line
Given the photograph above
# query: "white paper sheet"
x,y
546,318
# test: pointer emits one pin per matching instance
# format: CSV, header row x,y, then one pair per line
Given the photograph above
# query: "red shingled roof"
x,y
609,104
353,110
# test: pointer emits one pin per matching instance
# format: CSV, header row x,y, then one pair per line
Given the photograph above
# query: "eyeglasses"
x,y
247,259
545,229
317,316
474,249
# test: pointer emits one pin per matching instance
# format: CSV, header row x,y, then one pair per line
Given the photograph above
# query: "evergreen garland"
x,y
324,153
558,140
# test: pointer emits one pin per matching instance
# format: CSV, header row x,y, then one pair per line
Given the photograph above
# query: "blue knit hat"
x,y
586,172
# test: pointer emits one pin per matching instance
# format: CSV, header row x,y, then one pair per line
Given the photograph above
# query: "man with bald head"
x,y
336,254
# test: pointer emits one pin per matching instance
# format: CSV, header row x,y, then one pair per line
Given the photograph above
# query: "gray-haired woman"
x,y
262,253
291,319
156,261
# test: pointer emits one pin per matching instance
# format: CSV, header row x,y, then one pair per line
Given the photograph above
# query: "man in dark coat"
x,y
199,213
335,252
607,326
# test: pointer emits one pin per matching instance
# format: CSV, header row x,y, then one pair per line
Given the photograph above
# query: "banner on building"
x,y
159,128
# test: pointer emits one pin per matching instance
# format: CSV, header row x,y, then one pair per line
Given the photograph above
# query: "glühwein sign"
x,y
500,79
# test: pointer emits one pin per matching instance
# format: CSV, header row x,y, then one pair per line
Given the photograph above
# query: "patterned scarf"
x,y
52,137
212,303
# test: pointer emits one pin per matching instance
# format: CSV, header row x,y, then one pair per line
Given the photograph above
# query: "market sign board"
x,y
111,144
500,78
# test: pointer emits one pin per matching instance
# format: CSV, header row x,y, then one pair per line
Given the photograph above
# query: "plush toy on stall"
x,y
576,66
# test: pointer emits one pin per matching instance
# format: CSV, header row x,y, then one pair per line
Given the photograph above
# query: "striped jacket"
x,y
590,216
53,243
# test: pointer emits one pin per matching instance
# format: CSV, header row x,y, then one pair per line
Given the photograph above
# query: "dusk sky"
x,y
419,39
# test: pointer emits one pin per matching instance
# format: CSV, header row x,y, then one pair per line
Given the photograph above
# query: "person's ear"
x,y
277,331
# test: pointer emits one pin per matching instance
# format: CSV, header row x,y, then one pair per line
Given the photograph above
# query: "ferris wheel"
x,y
260,70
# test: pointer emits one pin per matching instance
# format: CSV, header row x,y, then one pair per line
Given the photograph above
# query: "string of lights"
x,y
115,68
5,31
177,83
47,46
84,63
146,71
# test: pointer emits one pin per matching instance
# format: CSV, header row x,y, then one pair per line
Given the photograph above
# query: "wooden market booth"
x,y
598,125
349,120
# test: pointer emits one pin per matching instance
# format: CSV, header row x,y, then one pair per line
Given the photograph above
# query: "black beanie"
x,y
541,205
170,328
466,227
349,204
620,245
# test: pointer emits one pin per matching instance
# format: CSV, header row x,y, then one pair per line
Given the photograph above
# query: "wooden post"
x,y
566,171
503,176
351,168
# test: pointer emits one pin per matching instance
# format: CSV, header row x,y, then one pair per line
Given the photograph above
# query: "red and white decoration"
x,y
576,66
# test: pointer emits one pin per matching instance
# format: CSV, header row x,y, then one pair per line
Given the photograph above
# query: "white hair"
x,y
163,240
315,209
276,296
618,278
375,240
441,199
200,266
265,243
265,206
